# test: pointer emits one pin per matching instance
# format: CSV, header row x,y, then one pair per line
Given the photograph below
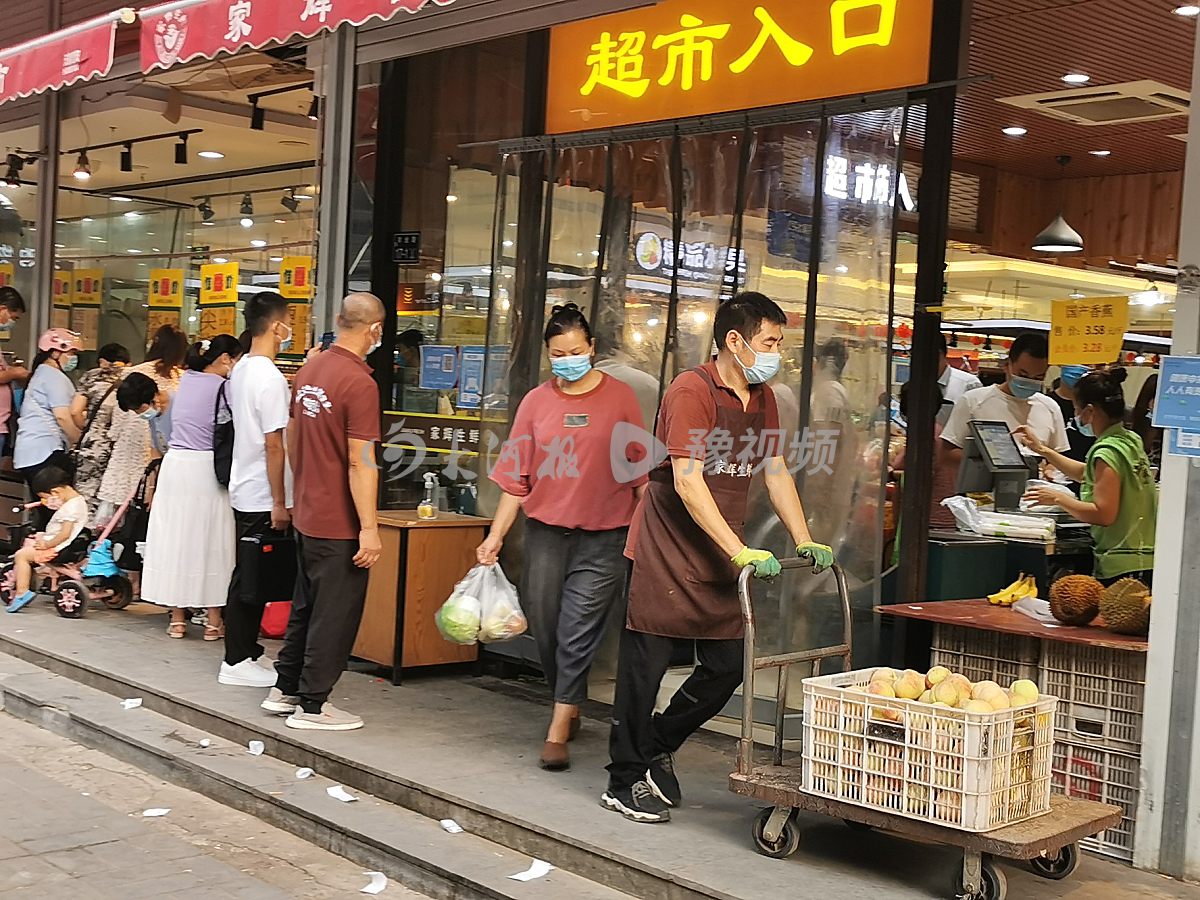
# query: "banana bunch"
x,y
1025,586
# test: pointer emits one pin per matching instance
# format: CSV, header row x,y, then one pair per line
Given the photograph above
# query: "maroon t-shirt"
x,y
334,398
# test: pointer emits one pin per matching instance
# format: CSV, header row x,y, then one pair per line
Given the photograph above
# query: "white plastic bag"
x,y
459,617
502,618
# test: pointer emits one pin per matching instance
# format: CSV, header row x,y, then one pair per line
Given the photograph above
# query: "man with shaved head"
x,y
332,436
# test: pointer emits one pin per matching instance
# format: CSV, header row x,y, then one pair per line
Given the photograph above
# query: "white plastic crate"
x,y
985,655
1093,773
971,771
1100,694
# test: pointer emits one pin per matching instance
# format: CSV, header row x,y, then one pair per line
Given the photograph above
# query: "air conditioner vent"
x,y
1113,104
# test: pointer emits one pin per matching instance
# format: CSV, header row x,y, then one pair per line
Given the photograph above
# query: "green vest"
x,y
1127,545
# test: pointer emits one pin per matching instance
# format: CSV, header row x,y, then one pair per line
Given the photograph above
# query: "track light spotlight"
x,y
205,208
289,201
127,158
83,168
257,115
247,205
181,153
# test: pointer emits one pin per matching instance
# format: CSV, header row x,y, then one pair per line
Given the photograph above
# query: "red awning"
x,y
185,29
61,58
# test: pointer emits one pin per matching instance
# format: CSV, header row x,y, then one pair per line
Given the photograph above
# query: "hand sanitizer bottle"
x,y
428,507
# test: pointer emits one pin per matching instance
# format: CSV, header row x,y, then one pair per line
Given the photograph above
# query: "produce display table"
x,y
1098,676
422,560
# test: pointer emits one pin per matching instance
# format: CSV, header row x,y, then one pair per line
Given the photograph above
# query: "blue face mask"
x,y
1084,428
1072,374
765,367
149,414
69,364
1024,388
571,368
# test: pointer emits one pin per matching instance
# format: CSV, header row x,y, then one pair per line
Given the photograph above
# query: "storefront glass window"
x,y
18,258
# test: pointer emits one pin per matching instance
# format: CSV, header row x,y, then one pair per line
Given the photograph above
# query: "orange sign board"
x,y
698,57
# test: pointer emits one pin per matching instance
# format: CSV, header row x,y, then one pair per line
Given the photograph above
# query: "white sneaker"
x,y
246,674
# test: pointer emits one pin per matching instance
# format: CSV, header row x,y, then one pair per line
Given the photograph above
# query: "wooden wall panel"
x,y
1123,217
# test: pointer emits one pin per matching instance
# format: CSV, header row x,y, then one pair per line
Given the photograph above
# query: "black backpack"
x,y
222,437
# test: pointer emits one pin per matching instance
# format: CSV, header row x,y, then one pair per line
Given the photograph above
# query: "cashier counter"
x,y
967,566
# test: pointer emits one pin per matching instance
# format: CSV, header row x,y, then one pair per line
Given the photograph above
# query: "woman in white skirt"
x,y
190,541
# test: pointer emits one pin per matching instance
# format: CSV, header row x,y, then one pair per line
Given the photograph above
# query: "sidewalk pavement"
x,y
60,845
473,744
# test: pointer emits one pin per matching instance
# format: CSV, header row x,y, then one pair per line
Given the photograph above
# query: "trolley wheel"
x,y
861,827
788,842
994,884
8,583
1057,866
122,591
71,599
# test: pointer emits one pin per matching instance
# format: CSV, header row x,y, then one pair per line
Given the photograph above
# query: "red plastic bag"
x,y
275,619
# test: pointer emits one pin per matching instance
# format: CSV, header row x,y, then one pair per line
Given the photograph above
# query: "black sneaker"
x,y
661,778
637,803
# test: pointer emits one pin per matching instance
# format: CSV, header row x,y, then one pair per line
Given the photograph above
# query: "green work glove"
x,y
821,556
764,562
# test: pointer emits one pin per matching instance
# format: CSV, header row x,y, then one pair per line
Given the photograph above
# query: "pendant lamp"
x,y
1058,236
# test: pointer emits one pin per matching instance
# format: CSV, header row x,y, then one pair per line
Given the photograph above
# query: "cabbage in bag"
x,y
458,619
502,617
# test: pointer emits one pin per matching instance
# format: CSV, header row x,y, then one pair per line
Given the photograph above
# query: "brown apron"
x,y
683,585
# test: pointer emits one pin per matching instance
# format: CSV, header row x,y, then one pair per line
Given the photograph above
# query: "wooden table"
x,y
422,560
986,617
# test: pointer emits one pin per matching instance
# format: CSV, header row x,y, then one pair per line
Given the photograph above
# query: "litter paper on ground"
x,y
131,703
155,812
539,869
337,792
256,748
378,882
450,826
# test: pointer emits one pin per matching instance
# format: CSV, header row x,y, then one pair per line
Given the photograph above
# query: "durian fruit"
x,y
1075,599
1126,607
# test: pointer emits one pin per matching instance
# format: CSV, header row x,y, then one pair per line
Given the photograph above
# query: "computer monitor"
x,y
992,462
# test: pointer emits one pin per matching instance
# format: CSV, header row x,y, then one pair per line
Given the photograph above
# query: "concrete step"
x,y
408,847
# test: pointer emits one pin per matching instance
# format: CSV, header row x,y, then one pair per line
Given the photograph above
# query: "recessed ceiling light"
x,y
87,219
96,237
1190,11
121,199
133,215
1076,78
1100,152
247,222
281,221
220,260
133,250
509,243
276,259
1015,131
258,243
452,198
208,223
211,154
155,250
1076,295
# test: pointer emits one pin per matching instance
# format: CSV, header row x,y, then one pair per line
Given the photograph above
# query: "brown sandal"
x,y
214,632
177,630
555,757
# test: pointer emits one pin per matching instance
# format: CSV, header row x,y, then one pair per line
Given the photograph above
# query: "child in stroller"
x,y
64,541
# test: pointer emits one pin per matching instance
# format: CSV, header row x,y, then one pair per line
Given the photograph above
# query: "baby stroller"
x,y
83,570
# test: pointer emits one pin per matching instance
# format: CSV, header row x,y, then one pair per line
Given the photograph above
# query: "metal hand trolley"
x,y
1048,843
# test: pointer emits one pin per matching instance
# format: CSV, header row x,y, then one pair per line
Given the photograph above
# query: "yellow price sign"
x,y
166,288
218,283
7,274
88,287
1088,332
64,287
295,278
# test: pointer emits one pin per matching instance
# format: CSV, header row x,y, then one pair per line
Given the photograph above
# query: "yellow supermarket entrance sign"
x,y
697,57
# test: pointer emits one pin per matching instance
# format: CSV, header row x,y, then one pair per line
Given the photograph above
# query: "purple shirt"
x,y
192,411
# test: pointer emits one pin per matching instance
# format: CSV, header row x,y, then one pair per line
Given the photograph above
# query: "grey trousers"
x,y
570,581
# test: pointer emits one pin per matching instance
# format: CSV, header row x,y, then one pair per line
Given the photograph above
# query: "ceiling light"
x,y
303,194
191,318
87,219
289,201
841,270
452,198
281,221
127,158
247,222
1152,296
258,242
96,237
314,108
700,317
206,210
247,208
1077,295
83,168
121,199
1100,152
1015,131
220,260
211,154
208,223
436,276
133,215
181,156
276,259
1076,78
509,243
1058,236
257,115
650,323
1189,11
133,250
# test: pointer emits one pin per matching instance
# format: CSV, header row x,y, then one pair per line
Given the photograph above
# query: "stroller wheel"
x,y
8,583
122,591
71,599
